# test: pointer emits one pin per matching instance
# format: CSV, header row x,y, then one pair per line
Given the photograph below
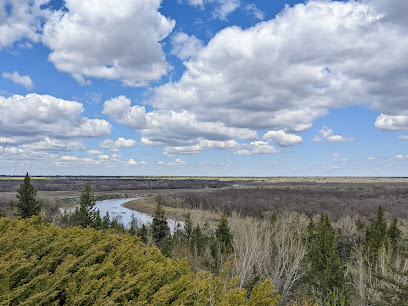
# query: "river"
x,y
115,208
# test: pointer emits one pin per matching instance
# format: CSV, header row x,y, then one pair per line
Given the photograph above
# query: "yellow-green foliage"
x,y
46,265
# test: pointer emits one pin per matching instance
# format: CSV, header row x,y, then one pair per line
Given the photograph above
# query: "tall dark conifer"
x,y
85,214
325,274
27,204
160,229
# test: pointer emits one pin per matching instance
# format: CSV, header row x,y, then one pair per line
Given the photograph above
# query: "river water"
x,y
115,208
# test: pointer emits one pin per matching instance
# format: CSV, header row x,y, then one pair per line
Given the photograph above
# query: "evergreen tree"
x,y
377,234
325,274
224,236
106,221
394,233
84,215
188,227
143,233
160,229
27,204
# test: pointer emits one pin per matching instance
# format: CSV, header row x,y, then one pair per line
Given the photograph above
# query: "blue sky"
x,y
204,87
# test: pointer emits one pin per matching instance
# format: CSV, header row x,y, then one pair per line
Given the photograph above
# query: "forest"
x,y
289,245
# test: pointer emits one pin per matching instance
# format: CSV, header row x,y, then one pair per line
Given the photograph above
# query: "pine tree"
x,y
325,274
27,204
84,215
160,229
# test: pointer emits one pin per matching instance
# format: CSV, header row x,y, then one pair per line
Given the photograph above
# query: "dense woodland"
x,y
111,183
266,255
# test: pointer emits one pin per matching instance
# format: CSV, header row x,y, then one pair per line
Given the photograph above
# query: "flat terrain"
x,y
258,197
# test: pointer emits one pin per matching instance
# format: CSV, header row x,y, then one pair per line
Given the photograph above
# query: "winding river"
x,y
115,208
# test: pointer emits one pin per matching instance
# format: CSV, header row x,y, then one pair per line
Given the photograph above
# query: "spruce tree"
x,y
325,274
85,214
394,233
377,234
224,235
27,204
160,229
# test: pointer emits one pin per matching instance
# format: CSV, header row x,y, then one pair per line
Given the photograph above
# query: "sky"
x,y
204,87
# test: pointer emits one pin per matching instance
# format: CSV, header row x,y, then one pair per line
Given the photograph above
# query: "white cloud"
x,y
401,156
371,158
116,145
103,157
202,145
172,129
69,158
15,77
94,152
286,72
254,11
48,144
142,162
403,137
225,7
177,163
185,46
335,155
222,8
120,110
282,138
44,115
326,134
132,162
20,19
392,123
109,39
257,147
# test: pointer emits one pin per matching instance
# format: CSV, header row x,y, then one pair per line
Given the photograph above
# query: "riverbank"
x,y
147,205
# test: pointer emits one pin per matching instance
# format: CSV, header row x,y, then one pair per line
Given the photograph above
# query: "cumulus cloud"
x,y
185,46
177,163
116,145
94,152
21,19
48,144
15,77
392,123
282,138
69,158
132,162
109,39
257,147
44,115
371,158
170,128
120,110
326,134
401,156
286,72
202,145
